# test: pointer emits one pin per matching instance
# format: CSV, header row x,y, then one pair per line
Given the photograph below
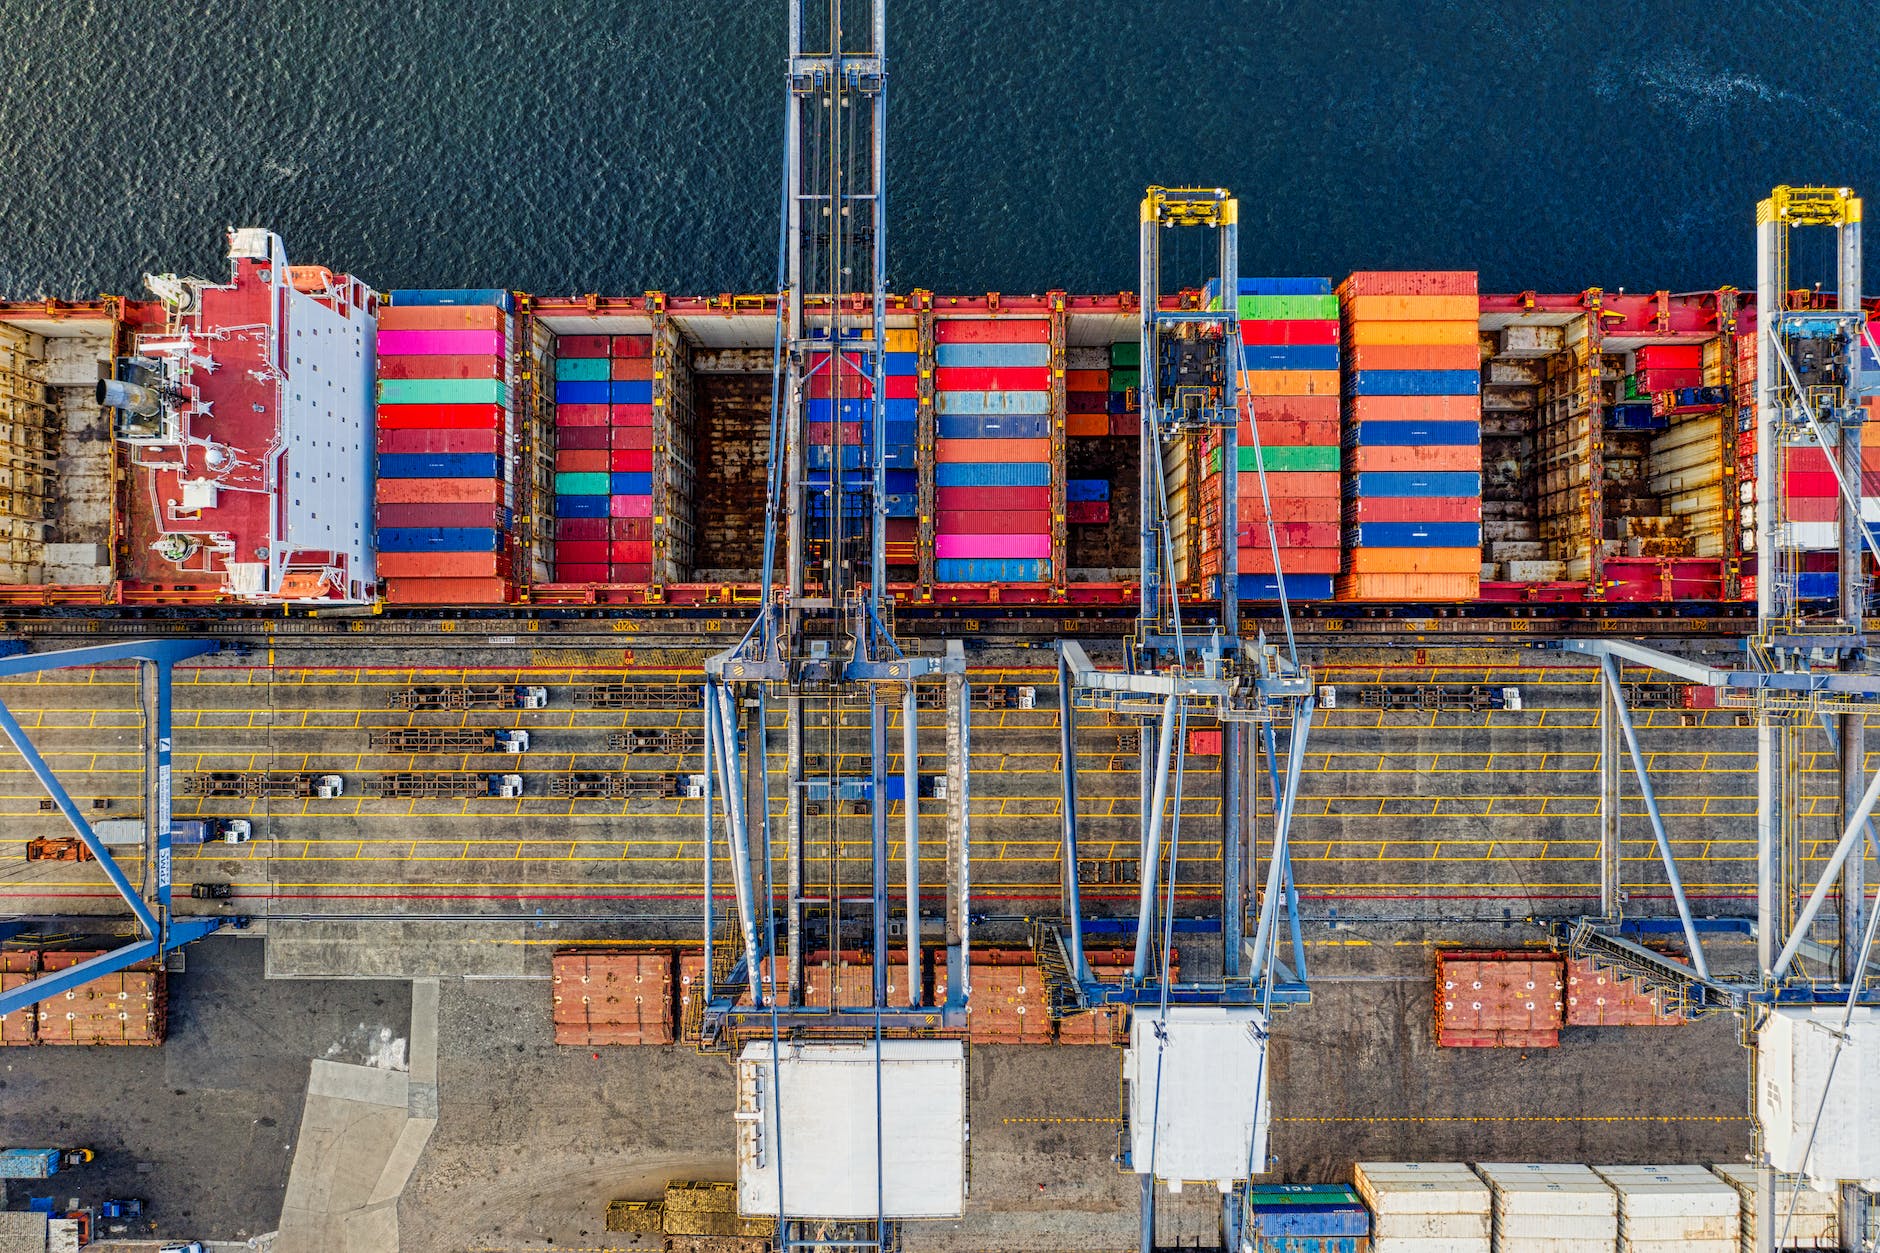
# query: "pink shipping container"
x,y
994,546
440,343
630,506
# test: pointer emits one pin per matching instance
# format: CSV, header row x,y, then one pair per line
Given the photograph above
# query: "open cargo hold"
x,y
427,339
1417,1207
993,375
1674,1209
1499,1000
1546,1207
1412,436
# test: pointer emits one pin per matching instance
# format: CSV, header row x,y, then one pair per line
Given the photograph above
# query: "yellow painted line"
x,y
1520,1118
1054,1121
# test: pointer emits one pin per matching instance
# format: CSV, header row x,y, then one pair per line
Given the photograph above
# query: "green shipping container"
x,y
1631,388
583,370
1128,353
1299,460
1285,308
1123,380
582,484
442,392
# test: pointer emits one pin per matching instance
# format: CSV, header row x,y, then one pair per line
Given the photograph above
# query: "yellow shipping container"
x,y
1412,308
1289,382
1360,334
901,339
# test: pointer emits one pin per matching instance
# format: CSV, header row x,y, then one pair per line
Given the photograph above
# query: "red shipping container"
x,y
1665,380
1409,283
1283,484
1292,560
1295,409
1087,402
1291,332
580,572
903,387
441,318
992,521
629,506
1292,433
448,591
634,368
1671,357
412,440
583,436
441,367
1290,509
580,529
440,417
1085,425
1087,512
581,551
629,528
1461,457
633,345
630,552
1814,508
995,451
581,415
581,346
475,516
443,565
629,574
1293,535
1812,459
1415,509
992,378
822,432
1413,357
991,330
854,387
630,460
1811,483
903,529
1097,381
1204,743
440,491
582,461
1414,409
995,498
631,437
1126,423
633,415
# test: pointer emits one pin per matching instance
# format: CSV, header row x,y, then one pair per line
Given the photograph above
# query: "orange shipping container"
x,y
1365,334
1414,409
442,565
1415,356
999,451
1289,383
1408,283
1287,508
1086,380
1416,561
1410,588
1285,485
1413,309
447,591
440,318
1431,458
1323,408
1087,424
633,368
582,461
439,492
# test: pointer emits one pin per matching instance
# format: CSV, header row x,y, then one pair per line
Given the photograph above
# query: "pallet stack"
x,y
1413,473
446,438
604,459
1289,382
992,454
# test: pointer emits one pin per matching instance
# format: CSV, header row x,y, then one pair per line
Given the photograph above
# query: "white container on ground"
x,y
1548,1207
1805,1218
1424,1207
1666,1208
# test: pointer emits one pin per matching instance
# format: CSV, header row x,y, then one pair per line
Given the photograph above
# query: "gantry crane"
x,y
1812,1007
821,647
1195,1069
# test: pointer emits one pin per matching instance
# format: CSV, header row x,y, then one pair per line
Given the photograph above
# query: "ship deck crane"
x,y
1812,1006
821,647
1196,1067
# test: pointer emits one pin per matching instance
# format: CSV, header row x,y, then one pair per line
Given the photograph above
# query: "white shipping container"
x,y
1461,1233
1805,1218
1552,1244
1676,1205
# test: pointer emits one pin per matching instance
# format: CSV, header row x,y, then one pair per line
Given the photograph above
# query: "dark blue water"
x,y
614,147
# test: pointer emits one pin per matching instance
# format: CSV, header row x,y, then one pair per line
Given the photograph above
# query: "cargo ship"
x,y
292,436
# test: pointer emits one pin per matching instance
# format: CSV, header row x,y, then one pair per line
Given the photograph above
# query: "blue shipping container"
x,y
991,570
899,434
991,474
901,364
438,539
1311,1244
1298,587
1289,357
822,409
503,300
439,465
1087,489
1407,483
980,355
903,481
993,425
631,484
580,506
1413,383
1817,585
1415,434
1635,416
820,456
1416,535
1309,1220
583,393
991,402
1275,287
629,392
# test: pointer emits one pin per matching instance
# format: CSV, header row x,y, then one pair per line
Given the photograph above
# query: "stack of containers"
x,y
1289,376
1125,403
1086,391
1413,473
446,436
1418,1207
1542,1207
1499,999
1674,1209
1805,1218
604,459
900,415
1305,1218
992,454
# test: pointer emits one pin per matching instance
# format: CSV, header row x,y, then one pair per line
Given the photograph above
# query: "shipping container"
x,y
1544,1207
613,998
1674,1206
1808,1218
1417,1207
1499,1000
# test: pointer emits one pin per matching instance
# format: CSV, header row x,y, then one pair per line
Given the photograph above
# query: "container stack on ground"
x,y
1674,1209
992,452
1499,1000
1305,1218
1289,382
446,435
1542,1207
1804,1218
1413,474
1420,1207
